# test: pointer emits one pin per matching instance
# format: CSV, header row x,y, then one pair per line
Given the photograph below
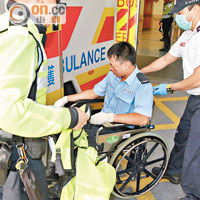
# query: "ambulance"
x,y
77,51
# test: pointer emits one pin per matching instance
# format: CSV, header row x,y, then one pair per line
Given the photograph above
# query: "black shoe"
x,y
51,175
55,191
175,179
164,49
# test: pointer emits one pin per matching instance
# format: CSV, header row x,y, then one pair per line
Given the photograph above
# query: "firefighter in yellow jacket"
x,y
23,74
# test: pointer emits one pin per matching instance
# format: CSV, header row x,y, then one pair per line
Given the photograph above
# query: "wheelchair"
x,y
133,152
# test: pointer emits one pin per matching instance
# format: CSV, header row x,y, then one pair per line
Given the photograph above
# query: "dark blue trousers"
x,y
185,155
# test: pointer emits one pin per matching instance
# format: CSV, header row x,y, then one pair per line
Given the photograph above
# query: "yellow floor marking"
x,y
163,181
165,126
173,99
171,115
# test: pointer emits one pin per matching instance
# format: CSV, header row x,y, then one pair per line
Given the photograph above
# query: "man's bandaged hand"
x,y
101,118
61,102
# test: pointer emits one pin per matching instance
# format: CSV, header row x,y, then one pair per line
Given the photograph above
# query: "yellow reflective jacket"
x,y
94,180
166,9
18,64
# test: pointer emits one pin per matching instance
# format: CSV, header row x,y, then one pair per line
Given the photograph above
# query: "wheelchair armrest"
x,y
113,125
116,127
86,101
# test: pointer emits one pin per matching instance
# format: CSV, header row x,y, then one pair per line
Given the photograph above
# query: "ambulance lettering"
x,y
122,3
75,62
51,76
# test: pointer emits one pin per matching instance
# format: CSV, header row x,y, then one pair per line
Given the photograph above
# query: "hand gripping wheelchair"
x,y
133,152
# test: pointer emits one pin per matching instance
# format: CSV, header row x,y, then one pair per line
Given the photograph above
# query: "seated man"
x,y
128,93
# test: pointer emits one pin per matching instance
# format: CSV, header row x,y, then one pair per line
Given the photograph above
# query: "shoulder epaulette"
x,y
142,78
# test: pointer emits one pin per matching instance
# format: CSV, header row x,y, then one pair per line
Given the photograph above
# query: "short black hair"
x,y
123,51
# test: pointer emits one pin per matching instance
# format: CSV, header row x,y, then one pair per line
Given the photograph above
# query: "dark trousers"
x,y
38,169
185,155
166,25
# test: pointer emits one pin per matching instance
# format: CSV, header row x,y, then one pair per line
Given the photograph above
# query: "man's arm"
x,y
98,90
87,94
20,115
131,118
128,118
189,83
159,64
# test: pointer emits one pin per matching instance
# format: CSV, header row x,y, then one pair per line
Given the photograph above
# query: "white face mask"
x,y
183,23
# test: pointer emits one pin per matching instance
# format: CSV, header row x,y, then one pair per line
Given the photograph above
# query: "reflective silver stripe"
x,y
39,56
42,83
43,68
42,80
44,54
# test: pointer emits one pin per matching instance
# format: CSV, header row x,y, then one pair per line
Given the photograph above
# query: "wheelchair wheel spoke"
x,y
149,173
119,181
151,151
134,162
127,181
128,158
126,171
138,182
154,161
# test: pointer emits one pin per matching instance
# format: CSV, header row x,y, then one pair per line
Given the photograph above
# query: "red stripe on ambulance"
x,y
72,15
91,84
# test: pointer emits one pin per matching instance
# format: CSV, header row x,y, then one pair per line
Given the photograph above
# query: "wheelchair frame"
x,y
133,153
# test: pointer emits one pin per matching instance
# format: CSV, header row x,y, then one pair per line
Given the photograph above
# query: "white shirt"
x,y
188,47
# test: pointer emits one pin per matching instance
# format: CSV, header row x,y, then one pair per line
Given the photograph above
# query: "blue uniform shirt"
x,y
129,96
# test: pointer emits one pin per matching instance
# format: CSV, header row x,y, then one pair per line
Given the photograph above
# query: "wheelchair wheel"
x,y
134,160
